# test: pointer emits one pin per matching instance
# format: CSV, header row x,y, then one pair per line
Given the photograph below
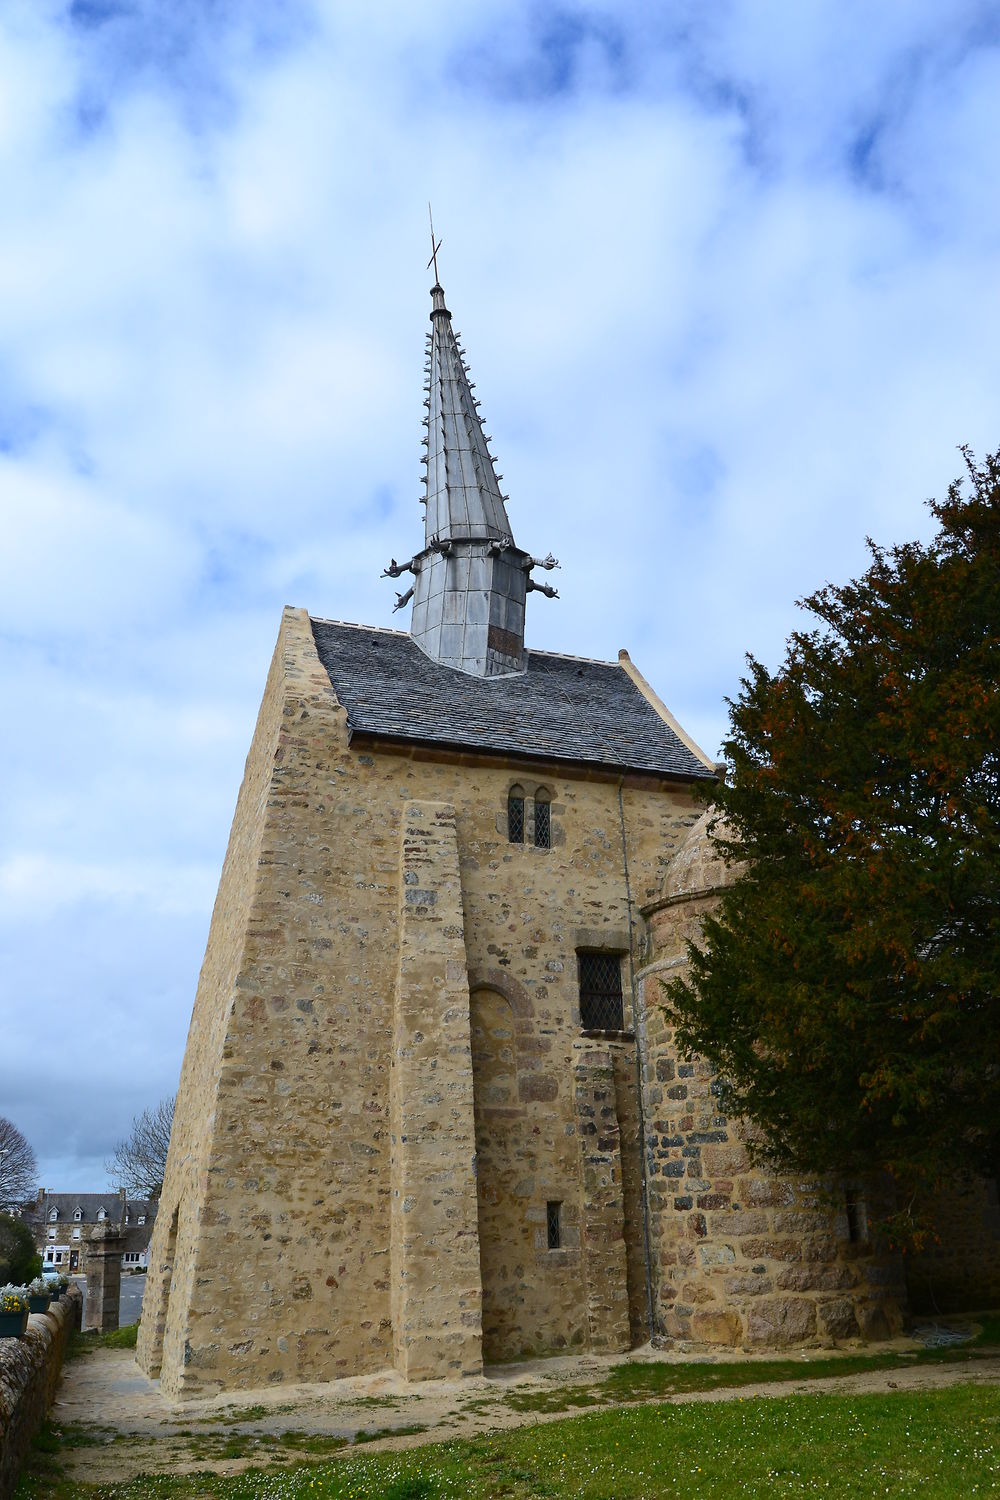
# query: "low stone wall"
x,y
29,1372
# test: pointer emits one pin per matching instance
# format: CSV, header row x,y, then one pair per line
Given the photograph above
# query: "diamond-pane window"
x,y
515,816
601,991
552,1225
543,823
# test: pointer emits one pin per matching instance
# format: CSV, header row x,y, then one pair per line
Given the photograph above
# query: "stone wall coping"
x,y
696,893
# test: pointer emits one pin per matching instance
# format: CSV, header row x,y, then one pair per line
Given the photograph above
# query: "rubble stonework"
x,y
102,1265
741,1256
279,1244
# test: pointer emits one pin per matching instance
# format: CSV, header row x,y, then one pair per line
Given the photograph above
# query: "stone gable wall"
x,y
272,1257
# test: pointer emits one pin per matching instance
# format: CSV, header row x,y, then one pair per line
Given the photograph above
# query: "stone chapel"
x,y
429,1113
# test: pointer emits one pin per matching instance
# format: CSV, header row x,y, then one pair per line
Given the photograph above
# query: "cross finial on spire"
x,y
435,247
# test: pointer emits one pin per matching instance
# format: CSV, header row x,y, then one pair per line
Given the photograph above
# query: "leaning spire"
x,y
470,579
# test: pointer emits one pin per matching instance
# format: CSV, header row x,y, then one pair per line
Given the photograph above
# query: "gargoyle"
x,y
543,588
395,569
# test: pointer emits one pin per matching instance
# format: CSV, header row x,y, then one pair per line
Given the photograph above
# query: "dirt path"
x,y
120,1426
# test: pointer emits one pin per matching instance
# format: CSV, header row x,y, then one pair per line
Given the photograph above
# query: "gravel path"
x,y
124,1427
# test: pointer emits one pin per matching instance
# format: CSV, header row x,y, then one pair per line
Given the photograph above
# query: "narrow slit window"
x,y
601,1006
543,821
857,1217
552,1225
515,815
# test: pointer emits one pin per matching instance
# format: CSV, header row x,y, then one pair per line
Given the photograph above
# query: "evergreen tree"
x,y
847,989
19,1260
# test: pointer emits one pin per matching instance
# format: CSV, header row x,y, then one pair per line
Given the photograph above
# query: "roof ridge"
x,y
357,625
595,661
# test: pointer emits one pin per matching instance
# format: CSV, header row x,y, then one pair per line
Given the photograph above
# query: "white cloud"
x,y
76,559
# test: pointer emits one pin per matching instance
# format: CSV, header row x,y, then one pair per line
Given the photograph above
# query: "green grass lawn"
x,y
936,1444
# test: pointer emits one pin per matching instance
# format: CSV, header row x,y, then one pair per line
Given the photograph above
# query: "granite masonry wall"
x,y
284,1248
29,1373
741,1257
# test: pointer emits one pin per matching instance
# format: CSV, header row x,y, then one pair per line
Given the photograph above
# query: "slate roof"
x,y
89,1204
562,708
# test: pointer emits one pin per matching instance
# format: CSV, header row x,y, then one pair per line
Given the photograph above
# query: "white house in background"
x,y
61,1222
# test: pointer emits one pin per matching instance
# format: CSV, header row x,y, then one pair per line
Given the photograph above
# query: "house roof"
x,y
564,708
90,1205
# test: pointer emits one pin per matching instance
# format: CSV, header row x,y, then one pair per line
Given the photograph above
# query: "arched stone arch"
x,y
494,1050
506,985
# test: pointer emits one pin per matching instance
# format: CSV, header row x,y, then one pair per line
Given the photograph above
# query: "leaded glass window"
x,y
601,991
543,821
515,815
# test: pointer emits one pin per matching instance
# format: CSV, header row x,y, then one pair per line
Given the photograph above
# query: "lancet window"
x,y
515,815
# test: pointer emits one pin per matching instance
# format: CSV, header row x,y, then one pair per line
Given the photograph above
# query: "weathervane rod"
x,y
434,247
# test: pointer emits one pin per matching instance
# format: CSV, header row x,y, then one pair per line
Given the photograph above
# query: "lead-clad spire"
x,y
462,491
470,580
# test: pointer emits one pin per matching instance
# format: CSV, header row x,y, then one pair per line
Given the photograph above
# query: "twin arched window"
x,y
529,816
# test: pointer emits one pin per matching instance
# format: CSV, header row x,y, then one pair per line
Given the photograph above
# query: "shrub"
x,y
19,1260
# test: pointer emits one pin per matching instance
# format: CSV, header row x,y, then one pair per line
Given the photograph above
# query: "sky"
x,y
726,275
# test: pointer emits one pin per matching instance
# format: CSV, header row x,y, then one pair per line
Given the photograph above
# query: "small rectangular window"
x,y
515,819
543,826
601,991
552,1225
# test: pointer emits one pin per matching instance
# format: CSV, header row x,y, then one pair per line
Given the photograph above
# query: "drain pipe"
x,y
644,1193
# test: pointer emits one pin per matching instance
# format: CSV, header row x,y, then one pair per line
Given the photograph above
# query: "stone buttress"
x,y
268,1187
436,1287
